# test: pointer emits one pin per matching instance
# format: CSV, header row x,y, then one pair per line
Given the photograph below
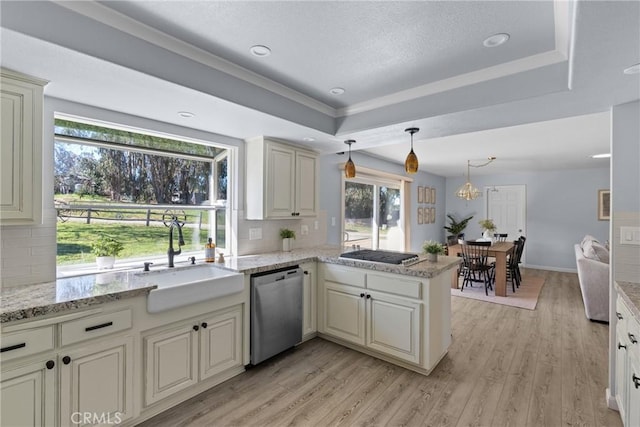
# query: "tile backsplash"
x,y
28,253
270,229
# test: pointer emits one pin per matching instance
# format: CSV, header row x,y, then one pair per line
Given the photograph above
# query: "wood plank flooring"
x,y
506,367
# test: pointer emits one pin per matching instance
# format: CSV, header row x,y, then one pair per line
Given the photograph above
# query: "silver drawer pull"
x,y
93,328
13,347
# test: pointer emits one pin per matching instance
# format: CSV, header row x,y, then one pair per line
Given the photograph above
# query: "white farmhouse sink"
x,y
189,285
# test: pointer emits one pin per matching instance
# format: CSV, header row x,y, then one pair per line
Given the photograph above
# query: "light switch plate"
x,y
630,235
255,233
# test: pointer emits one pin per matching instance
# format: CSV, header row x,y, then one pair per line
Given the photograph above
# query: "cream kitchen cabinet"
x,y
21,148
91,381
180,355
402,319
309,303
28,394
96,383
281,181
627,365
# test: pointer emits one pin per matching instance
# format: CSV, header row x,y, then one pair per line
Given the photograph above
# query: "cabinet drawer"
x,y
398,285
94,326
26,343
345,275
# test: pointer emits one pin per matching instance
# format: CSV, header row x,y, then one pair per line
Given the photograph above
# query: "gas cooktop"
x,y
385,257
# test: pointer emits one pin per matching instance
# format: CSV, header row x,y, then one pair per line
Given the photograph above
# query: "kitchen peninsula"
x,y
401,314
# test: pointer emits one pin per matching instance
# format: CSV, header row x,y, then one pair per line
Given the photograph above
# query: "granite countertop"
x,y
22,302
630,293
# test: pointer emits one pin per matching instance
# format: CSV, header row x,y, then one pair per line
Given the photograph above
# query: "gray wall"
x,y
330,193
561,209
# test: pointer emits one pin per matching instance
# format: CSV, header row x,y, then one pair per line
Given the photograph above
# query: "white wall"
x,y
561,209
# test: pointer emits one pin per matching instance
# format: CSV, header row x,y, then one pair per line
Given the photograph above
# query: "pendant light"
x,y
411,164
350,167
467,191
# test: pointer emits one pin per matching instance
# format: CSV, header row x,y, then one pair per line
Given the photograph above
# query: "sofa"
x,y
592,259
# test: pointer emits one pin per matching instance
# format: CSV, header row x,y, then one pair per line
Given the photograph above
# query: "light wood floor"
x,y
506,366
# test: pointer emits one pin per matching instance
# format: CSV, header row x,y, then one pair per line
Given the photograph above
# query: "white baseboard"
x,y
545,267
612,403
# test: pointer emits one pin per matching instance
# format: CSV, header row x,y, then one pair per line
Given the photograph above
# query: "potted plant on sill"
x,y
287,237
488,227
432,249
106,248
456,228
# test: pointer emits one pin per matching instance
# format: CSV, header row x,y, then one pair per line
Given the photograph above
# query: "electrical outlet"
x,y
333,221
316,225
255,233
304,230
630,235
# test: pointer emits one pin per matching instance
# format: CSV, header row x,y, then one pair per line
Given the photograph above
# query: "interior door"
x,y
506,205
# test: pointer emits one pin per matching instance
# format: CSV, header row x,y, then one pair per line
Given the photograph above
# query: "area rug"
x,y
526,296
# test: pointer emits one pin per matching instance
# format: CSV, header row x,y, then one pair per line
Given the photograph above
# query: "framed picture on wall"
x,y
427,195
420,194
420,218
433,196
433,215
604,205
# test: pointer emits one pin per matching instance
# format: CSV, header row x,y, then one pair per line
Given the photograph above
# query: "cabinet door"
x,y
633,382
309,299
171,358
96,383
393,326
622,347
344,312
306,177
21,151
220,343
28,395
280,184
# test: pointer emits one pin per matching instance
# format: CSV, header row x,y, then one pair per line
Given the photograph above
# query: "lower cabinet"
x,y
28,394
309,303
627,365
96,383
381,322
180,355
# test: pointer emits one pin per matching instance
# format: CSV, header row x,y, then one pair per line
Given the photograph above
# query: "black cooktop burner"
x,y
386,257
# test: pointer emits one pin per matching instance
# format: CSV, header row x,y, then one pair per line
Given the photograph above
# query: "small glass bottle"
x,y
210,251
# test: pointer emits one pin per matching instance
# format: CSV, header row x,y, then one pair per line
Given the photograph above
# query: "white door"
x,y
306,203
344,313
280,182
506,205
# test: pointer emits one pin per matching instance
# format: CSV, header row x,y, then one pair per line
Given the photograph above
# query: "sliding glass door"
x,y
372,212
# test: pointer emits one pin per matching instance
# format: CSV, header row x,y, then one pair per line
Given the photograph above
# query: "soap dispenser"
x,y
210,251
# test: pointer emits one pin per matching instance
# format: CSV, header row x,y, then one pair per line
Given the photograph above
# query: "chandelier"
x,y
411,164
467,191
350,167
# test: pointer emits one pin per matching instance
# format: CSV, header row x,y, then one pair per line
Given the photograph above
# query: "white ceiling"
x,y
538,102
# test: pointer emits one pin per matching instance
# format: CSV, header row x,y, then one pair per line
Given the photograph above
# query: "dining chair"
x,y
513,269
474,261
500,237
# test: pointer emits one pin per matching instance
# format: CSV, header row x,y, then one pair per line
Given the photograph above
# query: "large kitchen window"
x,y
373,213
130,185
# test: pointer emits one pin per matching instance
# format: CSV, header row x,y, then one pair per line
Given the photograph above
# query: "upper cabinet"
x,y
21,149
281,181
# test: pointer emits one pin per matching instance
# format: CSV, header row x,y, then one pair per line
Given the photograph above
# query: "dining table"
x,y
500,251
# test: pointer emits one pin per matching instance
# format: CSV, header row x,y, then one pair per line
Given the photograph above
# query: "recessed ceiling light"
x,y
601,156
634,69
336,91
496,40
308,139
186,114
260,51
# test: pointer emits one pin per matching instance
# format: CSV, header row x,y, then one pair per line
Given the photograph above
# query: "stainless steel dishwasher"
x,y
276,312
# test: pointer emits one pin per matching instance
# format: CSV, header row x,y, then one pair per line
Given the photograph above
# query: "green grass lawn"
x,y
74,240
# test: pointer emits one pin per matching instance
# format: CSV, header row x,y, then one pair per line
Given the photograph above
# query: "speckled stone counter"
x,y
630,293
23,302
